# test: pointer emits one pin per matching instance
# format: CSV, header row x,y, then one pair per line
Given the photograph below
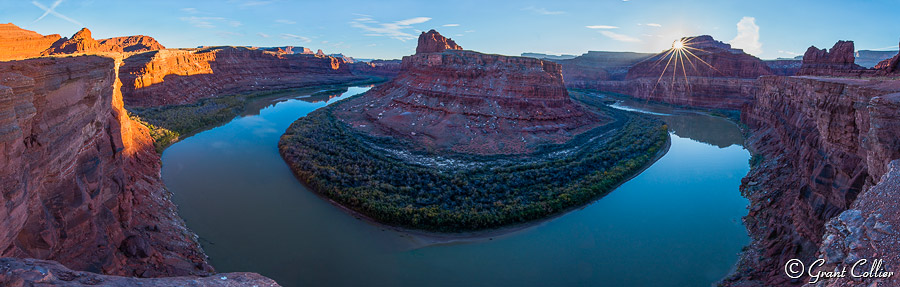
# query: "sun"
x,y
677,45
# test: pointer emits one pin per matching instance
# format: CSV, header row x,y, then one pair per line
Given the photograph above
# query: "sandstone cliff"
x,y
818,143
839,61
169,77
470,102
18,43
80,180
432,42
585,70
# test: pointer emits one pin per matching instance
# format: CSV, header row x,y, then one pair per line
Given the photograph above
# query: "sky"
x,y
388,29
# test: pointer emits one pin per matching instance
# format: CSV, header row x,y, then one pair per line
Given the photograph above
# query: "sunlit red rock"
x,y
433,42
18,43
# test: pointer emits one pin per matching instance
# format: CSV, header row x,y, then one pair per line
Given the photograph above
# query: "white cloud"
x,y
654,25
789,53
285,21
542,11
451,25
295,37
747,36
209,22
190,10
619,37
393,30
263,35
602,27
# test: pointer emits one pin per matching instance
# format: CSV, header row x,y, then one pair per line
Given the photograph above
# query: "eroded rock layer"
x,y
169,77
470,102
18,43
818,144
80,180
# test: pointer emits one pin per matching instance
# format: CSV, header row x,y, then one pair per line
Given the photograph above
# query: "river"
x,y
675,224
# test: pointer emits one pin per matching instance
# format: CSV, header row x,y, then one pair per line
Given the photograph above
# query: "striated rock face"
x,y
18,43
83,42
839,61
889,66
866,231
470,102
80,181
820,143
432,42
585,70
169,77
31,272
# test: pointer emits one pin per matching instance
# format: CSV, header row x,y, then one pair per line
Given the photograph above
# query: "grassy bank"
x,y
354,170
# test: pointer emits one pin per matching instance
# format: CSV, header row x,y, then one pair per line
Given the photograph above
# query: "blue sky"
x,y
387,29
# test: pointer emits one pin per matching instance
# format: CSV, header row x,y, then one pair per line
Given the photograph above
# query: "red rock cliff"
x,y
820,143
839,61
471,102
18,43
80,181
169,77
710,74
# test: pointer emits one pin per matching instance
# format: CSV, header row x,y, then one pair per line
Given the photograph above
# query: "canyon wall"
x,y
170,77
18,43
818,144
715,93
594,66
80,180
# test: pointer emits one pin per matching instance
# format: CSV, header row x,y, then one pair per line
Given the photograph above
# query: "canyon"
x,y
17,43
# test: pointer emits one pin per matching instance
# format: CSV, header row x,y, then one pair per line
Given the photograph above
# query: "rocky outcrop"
x,y
870,58
31,272
18,43
83,42
433,42
586,70
889,66
818,145
470,102
866,231
169,77
839,61
80,180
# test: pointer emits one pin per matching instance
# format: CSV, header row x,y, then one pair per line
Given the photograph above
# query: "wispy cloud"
x,y
451,25
250,3
619,37
285,21
789,53
653,25
52,10
209,22
393,30
747,36
190,10
264,35
602,27
542,11
295,37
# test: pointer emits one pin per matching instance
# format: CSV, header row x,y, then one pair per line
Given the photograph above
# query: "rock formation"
x,y
889,66
31,272
839,61
710,74
79,179
378,68
820,144
433,42
869,58
469,102
18,43
169,77
784,67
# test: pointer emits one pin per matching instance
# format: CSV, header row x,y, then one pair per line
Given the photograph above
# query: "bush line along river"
x,y
675,224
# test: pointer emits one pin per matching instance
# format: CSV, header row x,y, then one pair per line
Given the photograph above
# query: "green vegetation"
x,y
356,171
168,124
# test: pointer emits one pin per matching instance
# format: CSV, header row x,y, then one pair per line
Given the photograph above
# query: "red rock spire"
x,y
432,42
